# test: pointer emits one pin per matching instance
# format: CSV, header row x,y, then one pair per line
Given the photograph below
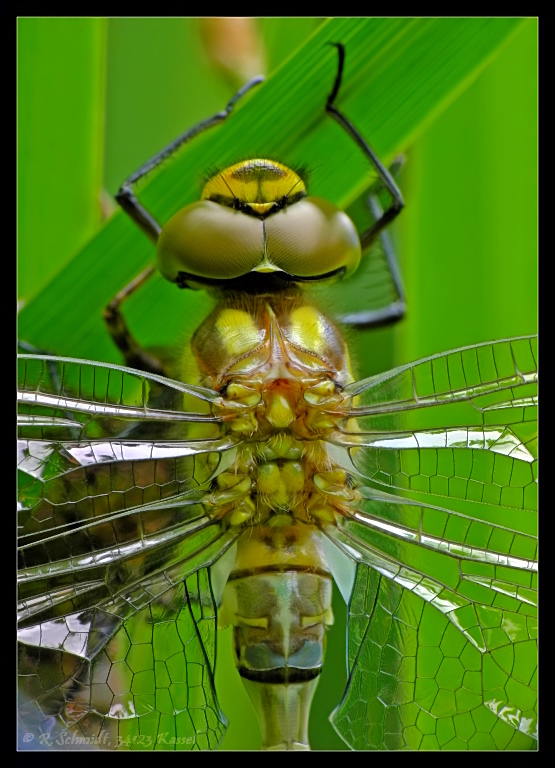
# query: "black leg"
x,y
394,311
29,349
135,356
384,175
126,197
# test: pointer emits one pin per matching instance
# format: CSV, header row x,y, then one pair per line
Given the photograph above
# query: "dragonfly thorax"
x,y
254,340
277,363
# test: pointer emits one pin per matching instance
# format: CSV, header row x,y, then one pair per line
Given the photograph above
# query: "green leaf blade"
x,y
399,74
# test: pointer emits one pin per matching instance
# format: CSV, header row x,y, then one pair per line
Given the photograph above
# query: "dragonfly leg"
x,y
135,356
30,349
397,204
396,309
126,196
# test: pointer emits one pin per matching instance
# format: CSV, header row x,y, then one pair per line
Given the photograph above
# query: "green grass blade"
x,y
468,241
61,83
399,75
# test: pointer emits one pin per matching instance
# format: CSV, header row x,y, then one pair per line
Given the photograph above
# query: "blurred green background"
x,y
97,97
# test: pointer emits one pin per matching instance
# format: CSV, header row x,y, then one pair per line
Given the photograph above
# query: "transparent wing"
x,y
117,530
442,524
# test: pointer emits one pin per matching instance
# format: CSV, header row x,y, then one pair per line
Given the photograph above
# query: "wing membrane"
x,y
417,682
117,531
135,672
461,426
443,526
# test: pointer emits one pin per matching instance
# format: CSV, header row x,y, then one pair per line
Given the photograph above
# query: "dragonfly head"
x,y
256,217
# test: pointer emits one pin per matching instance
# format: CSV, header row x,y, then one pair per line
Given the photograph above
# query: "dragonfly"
x,y
153,511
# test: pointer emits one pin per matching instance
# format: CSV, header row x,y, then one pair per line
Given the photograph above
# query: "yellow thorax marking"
x,y
260,183
238,331
308,328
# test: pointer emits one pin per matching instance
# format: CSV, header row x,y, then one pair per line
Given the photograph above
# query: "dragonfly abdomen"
x,y
278,600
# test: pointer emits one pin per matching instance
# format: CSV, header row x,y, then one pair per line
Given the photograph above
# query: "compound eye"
x,y
210,240
312,237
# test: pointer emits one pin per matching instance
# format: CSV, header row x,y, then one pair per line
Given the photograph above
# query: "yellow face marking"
x,y
261,208
259,183
238,331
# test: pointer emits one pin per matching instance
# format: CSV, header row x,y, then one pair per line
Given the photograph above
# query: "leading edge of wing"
x,y
452,376
106,389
